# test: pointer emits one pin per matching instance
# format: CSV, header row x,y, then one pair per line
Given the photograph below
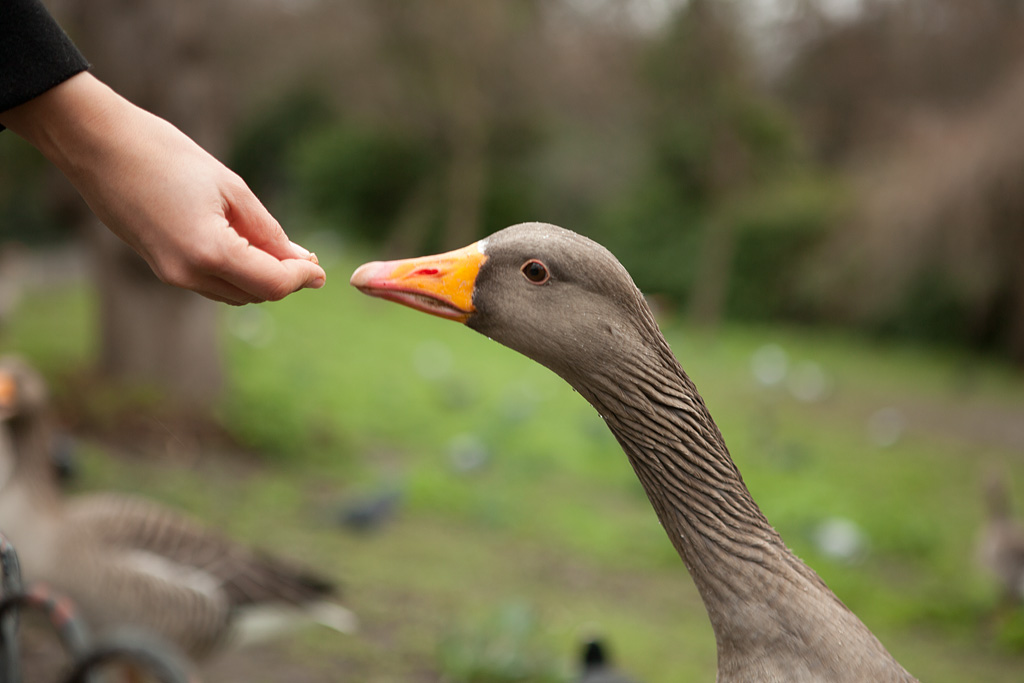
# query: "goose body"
x,y
567,303
129,563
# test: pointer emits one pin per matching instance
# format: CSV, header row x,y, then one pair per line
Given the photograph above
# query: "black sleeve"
x,y
35,53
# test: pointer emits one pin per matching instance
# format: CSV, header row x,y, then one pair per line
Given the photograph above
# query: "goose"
x,y
566,302
127,562
1001,544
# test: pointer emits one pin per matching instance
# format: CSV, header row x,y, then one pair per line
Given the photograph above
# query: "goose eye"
x,y
536,272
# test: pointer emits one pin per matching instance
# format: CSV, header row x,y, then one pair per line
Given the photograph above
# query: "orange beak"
x,y
8,393
440,285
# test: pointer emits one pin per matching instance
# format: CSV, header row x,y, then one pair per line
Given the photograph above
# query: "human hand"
x,y
192,219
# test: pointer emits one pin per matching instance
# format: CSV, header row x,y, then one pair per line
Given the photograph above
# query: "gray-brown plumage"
x,y
128,562
1001,546
566,302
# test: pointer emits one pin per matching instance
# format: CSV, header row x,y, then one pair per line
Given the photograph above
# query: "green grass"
x,y
342,394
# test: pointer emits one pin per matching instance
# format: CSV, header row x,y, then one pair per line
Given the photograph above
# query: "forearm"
x,y
96,138
132,168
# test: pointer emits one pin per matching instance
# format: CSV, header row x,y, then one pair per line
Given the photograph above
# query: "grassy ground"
x,y
522,528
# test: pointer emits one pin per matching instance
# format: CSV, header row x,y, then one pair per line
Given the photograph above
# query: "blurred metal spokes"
x,y
147,655
143,654
11,585
59,611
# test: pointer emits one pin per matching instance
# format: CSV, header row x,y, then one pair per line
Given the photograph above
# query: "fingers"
x,y
270,288
251,220
220,290
257,261
264,277
301,252
225,267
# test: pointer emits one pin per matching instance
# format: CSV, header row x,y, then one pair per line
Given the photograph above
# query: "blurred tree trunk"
x,y
455,38
466,132
455,56
710,132
150,331
161,57
1009,228
714,270
728,177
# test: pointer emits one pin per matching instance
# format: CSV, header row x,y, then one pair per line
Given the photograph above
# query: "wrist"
x,y
66,122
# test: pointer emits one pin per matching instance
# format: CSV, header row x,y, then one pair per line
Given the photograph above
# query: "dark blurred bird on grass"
x,y
596,664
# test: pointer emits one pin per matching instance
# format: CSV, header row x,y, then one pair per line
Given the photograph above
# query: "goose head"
x,y
23,391
24,421
549,293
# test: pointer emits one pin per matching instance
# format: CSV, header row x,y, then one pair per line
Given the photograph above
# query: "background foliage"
x,y
746,160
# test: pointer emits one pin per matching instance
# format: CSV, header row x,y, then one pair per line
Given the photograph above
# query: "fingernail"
x,y
300,251
312,257
318,282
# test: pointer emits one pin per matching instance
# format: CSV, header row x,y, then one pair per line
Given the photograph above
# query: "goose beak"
x,y
440,285
8,395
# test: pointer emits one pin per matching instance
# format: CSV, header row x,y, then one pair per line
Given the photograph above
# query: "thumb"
x,y
251,220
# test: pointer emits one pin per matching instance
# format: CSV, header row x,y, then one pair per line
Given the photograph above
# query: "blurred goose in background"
x,y
1001,546
128,562
596,665
371,512
567,303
